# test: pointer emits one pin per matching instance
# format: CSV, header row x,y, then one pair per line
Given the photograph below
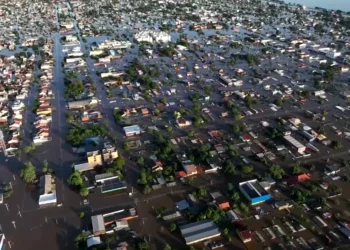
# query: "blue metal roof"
x,y
132,129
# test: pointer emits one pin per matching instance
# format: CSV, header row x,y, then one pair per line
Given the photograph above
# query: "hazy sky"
x,y
343,5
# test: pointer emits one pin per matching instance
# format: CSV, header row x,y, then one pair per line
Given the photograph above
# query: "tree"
x,y
84,192
337,144
28,173
147,189
229,168
279,101
235,129
127,146
8,191
143,245
236,197
156,112
29,148
140,160
81,215
145,176
196,108
197,121
324,113
169,129
163,100
119,162
247,169
75,179
243,207
276,171
46,169
202,193
296,169
80,240
172,227
177,115
167,247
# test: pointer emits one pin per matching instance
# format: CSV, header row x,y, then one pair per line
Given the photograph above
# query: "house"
x,y
181,122
94,159
157,166
132,130
298,178
244,234
190,169
220,200
296,144
281,205
47,191
82,103
245,138
109,153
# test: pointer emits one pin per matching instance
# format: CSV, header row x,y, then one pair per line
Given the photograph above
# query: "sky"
x,y
343,5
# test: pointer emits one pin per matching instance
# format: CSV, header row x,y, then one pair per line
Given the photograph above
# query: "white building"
x,y
152,36
47,191
70,38
333,54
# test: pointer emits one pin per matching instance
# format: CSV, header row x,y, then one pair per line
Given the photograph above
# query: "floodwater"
x,y
343,5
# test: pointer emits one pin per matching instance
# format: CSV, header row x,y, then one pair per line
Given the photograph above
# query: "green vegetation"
x,y
116,166
46,169
8,191
28,173
143,245
77,135
276,171
74,89
279,101
80,240
76,181
29,148
167,51
83,192
216,214
337,145
172,227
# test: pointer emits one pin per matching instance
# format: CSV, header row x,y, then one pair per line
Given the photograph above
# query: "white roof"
x,y
47,199
93,241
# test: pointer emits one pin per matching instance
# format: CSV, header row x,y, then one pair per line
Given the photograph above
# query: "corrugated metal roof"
x,y
197,231
97,223
133,128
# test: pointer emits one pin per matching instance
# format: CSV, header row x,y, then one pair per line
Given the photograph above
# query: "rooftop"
x,y
199,231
